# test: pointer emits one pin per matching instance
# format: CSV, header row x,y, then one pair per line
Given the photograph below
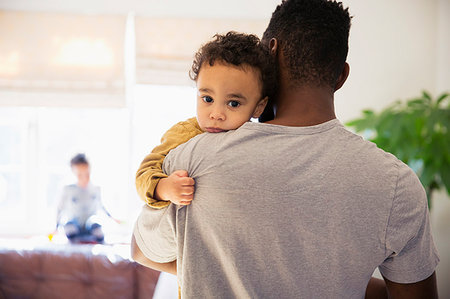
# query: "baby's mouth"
x,y
214,130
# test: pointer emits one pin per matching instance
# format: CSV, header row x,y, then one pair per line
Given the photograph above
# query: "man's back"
x,y
294,212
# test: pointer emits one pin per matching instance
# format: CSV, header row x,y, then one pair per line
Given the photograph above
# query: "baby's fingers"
x,y
180,173
185,199
187,181
187,190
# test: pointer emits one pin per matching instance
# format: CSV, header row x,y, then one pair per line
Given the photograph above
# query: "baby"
x,y
235,77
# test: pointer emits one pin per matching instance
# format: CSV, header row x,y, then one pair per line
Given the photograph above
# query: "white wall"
x,y
393,46
441,209
443,46
256,9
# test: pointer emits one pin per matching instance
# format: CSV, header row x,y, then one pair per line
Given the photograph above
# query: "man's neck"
x,y
306,106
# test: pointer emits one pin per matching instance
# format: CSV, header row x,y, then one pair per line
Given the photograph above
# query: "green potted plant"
x,y
418,133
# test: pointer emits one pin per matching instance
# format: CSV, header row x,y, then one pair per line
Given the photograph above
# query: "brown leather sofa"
x,y
73,271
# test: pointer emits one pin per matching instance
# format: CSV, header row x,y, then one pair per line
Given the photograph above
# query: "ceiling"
x,y
248,9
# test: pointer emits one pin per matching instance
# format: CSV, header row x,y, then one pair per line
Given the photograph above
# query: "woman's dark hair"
x,y
79,159
240,50
313,37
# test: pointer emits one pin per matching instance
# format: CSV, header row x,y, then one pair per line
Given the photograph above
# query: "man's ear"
x,y
273,46
260,107
342,77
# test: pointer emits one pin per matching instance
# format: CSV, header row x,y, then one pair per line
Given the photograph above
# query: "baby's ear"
x,y
260,107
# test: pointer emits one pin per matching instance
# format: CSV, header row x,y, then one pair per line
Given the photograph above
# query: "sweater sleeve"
x,y
150,170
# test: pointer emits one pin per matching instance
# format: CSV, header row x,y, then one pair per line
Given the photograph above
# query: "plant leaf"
x,y
441,98
426,96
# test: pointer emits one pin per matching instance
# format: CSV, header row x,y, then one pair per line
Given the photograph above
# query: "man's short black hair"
x,y
239,49
78,160
313,37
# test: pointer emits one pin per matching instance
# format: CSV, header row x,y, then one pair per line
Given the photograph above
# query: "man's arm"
x,y
139,257
426,288
376,289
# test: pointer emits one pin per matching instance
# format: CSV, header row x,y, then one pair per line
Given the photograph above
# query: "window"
x,y
38,143
13,165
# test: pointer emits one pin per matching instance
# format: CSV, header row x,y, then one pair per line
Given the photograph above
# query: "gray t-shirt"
x,y
290,212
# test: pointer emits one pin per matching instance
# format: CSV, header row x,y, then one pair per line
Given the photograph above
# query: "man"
x,y
298,207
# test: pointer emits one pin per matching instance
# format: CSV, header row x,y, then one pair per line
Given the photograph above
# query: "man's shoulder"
x,y
368,155
360,148
200,150
212,141
198,142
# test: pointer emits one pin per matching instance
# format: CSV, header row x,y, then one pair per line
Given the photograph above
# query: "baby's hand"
x,y
177,188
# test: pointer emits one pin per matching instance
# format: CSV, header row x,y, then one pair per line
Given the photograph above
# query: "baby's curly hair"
x,y
239,49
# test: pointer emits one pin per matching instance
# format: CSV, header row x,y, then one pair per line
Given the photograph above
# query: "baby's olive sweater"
x,y
150,170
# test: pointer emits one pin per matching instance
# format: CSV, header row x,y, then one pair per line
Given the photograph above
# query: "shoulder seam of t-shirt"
x,y
289,130
392,207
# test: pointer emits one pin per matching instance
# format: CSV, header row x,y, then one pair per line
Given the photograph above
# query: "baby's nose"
x,y
217,115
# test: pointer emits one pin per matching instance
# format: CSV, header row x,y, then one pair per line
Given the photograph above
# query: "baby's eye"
x,y
207,99
234,104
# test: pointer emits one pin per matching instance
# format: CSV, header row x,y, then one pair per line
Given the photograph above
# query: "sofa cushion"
x,y
73,271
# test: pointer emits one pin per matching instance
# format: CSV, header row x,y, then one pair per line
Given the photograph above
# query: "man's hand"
x,y
177,188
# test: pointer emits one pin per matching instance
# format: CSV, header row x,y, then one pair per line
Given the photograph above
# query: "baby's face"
x,y
227,96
